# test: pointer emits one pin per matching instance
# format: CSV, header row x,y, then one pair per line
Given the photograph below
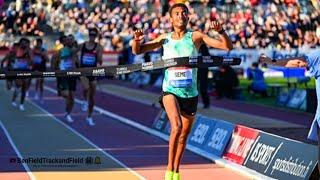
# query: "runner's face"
x,y
15,48
179,17
69,41
92,36
24,44
38,44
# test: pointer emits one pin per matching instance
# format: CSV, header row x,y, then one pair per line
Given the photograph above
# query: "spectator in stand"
x,y
280,24
1,4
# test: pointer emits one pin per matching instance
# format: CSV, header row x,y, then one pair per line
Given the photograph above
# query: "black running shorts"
x,y
187,106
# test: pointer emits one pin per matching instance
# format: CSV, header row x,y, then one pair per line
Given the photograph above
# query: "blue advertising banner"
x,y
218,138
303,106
167,129
297,98
284,97
291,72
160,121
201,130
281,158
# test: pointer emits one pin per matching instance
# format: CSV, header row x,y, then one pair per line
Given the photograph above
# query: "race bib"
x,y
89,59
180,78
66,64
37,59
20,64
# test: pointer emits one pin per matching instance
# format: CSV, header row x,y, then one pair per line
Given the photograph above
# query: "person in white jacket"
x,y
312,62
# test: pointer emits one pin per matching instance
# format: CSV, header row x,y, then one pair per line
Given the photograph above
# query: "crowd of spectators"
x,y
280,24
21,18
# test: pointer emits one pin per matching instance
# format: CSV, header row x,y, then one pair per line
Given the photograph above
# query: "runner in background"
x,y
40,58
66,59
75,45
22,62
90,56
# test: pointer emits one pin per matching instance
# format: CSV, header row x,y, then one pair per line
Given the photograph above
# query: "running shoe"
x,y
14,104
21,107
36,96
68,118
90,121
168,175
84,106
176,176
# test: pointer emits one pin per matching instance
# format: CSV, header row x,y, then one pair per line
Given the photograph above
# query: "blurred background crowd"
x,y
269,24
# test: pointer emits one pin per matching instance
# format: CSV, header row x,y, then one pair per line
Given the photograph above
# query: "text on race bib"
x,y
66,64
20,64
37,59
89,59
180,77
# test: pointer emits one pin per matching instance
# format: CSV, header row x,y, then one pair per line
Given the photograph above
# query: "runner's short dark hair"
x,y
93,30
62,39
178,5
24,40
39,40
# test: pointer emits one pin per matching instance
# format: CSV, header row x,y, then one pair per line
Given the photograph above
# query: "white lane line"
x,y
26,167
87,140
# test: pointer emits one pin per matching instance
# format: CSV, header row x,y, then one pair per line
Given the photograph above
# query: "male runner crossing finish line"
x,y
180,91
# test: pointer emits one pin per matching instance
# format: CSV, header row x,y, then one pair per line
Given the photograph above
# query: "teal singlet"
x,y
66,61
180,81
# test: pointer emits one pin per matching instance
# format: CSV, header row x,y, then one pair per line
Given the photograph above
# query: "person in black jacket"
x,y
226,82
203,79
